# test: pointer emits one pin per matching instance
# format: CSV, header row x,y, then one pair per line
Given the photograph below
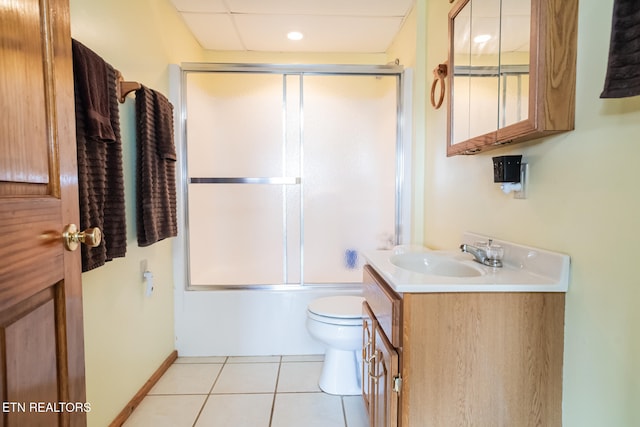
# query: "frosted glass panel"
x,y
332,136
234,124
293,125
235,234
348,173
292,238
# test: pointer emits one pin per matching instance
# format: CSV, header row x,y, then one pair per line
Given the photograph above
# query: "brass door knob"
x,y
72,238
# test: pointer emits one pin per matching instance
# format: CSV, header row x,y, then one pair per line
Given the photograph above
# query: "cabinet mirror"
x,y
502,81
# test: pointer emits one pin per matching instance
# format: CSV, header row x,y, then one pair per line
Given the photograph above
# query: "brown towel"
x,y
623,71
100,177
91,76
156,216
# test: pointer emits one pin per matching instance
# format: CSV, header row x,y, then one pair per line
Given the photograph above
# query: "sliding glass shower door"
x,y
290,176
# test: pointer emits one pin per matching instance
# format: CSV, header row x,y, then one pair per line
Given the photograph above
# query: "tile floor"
x,y
273,391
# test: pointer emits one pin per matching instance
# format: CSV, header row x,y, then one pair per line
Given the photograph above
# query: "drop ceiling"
x,y
355,26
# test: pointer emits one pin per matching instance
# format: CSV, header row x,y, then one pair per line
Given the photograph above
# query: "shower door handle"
x,y
279,180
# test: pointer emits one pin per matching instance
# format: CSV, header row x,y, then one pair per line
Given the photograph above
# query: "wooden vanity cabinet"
x,y
472,359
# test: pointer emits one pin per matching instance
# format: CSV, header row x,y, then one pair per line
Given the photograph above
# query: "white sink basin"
x,y
434,264
416,269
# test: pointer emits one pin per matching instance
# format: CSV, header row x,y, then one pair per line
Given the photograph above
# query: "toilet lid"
x,y
342,307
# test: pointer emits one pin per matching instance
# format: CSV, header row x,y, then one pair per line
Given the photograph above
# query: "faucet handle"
x,y
480,244
494,253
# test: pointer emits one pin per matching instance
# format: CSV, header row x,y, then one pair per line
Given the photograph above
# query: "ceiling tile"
x,y
261,25
326,7
321,34
214,31
204,6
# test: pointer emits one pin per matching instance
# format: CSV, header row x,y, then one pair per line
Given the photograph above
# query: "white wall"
x,y
583,200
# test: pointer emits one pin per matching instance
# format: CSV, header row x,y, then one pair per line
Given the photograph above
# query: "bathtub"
x,y
256,322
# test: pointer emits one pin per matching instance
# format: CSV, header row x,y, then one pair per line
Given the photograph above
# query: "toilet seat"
x,y
335,320
337,310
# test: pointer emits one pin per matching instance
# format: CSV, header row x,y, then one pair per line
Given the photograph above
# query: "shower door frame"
x,y
403,150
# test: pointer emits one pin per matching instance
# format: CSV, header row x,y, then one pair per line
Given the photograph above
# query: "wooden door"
x,y
41,335
384,399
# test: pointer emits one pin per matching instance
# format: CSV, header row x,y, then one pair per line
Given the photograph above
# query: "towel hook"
x,y
439,74
124,88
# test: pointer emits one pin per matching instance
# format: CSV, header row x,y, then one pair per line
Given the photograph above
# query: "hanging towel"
x,y
623,71
100,177
91,79
156,216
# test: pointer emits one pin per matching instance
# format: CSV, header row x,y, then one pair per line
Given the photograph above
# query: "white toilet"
x,y
337,323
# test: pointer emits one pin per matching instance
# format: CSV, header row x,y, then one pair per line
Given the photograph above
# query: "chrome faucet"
x,y
481,255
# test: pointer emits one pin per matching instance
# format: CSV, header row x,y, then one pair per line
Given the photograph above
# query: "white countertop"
x,y
525,269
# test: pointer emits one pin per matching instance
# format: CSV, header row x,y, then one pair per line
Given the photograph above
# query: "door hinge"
x,y
397,383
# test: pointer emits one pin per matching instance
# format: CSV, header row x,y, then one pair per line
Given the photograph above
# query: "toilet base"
x,y
341,373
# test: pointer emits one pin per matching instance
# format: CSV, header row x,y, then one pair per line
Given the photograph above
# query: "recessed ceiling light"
x,y
482,38
295,35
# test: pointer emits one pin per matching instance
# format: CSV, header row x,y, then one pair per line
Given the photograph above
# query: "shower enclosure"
x,y
290,173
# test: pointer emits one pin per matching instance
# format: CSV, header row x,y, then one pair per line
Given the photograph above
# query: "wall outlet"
x,y
148,277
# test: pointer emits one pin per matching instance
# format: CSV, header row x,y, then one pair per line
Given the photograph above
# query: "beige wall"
x,y
583,200
127,336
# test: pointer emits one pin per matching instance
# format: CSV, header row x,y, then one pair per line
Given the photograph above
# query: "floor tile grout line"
x,y
344,411
150,393
206,399
275,393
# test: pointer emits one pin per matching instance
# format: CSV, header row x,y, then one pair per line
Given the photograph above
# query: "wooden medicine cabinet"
x,y
512,72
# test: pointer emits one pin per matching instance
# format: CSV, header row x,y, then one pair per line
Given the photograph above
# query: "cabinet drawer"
x,y
385,304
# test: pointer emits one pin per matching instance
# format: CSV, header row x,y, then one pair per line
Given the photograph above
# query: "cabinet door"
x,y
384,371
367,352
512,72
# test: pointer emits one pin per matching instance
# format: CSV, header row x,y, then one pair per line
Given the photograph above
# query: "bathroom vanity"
x,y
439,354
